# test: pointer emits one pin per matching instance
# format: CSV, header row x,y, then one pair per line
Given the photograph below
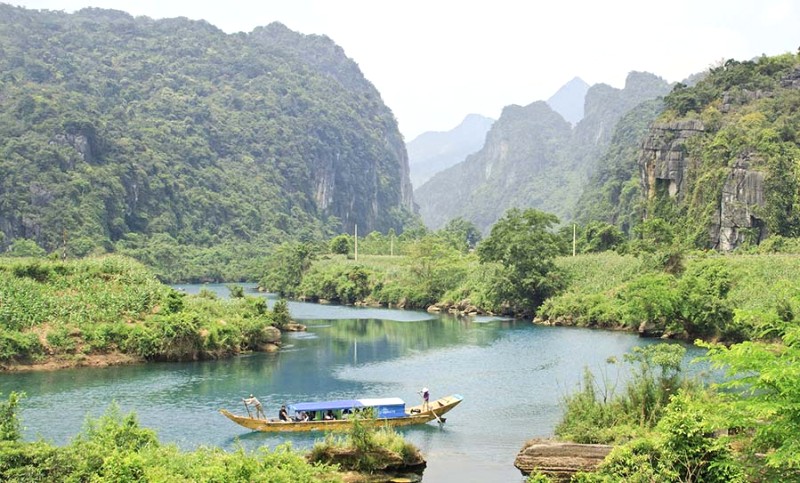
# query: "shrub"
x,y
9,420
340,245
597,413
18,345
280,314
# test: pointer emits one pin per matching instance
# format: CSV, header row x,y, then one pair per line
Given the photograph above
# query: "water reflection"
x,y
511,374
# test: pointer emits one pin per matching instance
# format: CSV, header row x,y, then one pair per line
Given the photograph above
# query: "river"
x,y
512,375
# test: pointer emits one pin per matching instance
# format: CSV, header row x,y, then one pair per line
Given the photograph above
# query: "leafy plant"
x,y
9,420
522,243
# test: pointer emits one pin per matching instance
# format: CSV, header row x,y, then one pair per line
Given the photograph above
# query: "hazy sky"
x,y
435,61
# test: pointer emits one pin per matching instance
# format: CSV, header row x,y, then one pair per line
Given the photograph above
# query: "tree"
x,y
462,234
340,245
523,243
280,314
23,247
764,395
600,236
286,266
434,264
236,291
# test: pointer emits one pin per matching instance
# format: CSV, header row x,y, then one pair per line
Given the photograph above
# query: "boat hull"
x,y
414,415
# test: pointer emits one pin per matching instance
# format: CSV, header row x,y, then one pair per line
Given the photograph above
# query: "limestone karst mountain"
x,y
435,151
115,128
533,158
569,99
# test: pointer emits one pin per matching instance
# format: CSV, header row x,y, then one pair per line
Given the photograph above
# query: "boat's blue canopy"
x,y
325,405
347,404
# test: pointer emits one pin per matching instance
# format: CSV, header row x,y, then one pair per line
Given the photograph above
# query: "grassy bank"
x,y
113,309
706,295
725,297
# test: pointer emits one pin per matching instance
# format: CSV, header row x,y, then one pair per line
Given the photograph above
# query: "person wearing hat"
x,y
425,398
256,404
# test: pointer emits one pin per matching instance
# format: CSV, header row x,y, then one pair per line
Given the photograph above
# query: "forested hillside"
x,y
613,193
720,165
142,136
533,158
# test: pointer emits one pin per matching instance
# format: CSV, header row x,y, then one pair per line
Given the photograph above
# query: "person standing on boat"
x,y
426,396
283,415
256,404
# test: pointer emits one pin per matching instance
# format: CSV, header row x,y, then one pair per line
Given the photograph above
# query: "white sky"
x,y
435,61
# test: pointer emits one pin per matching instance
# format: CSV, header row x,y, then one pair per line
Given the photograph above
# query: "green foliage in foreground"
x,y
682,447
597,413
744,428
9,421
762,394
70,309
365,448
115,448
666,428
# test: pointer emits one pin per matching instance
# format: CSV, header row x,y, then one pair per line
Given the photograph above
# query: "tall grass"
x,y
70,309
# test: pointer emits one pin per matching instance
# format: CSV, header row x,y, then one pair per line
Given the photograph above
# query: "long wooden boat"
x,y
387,411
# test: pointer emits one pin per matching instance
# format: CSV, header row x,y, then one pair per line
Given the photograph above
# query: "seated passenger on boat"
x,y
329,415
283,415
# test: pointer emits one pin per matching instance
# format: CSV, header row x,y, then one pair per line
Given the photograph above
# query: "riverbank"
x,y
56,363
703,295
111,310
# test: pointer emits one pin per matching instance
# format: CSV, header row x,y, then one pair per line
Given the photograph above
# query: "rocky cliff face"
x,y
723,171
664,162
742,196
533,158
522,152
666,165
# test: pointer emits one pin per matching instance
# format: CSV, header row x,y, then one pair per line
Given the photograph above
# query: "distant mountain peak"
x,y
568,100
435,151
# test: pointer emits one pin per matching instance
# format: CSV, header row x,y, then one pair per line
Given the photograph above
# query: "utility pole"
x,y
356,244
573,239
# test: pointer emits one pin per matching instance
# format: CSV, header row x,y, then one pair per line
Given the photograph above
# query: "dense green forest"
x,y
191,149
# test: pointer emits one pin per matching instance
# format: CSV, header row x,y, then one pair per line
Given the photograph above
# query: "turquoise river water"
x,y
512,374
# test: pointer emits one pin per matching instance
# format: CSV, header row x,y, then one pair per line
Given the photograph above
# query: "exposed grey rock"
x,y
650,329
664,165
663,162
792,81
742,194
559,459
79,142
